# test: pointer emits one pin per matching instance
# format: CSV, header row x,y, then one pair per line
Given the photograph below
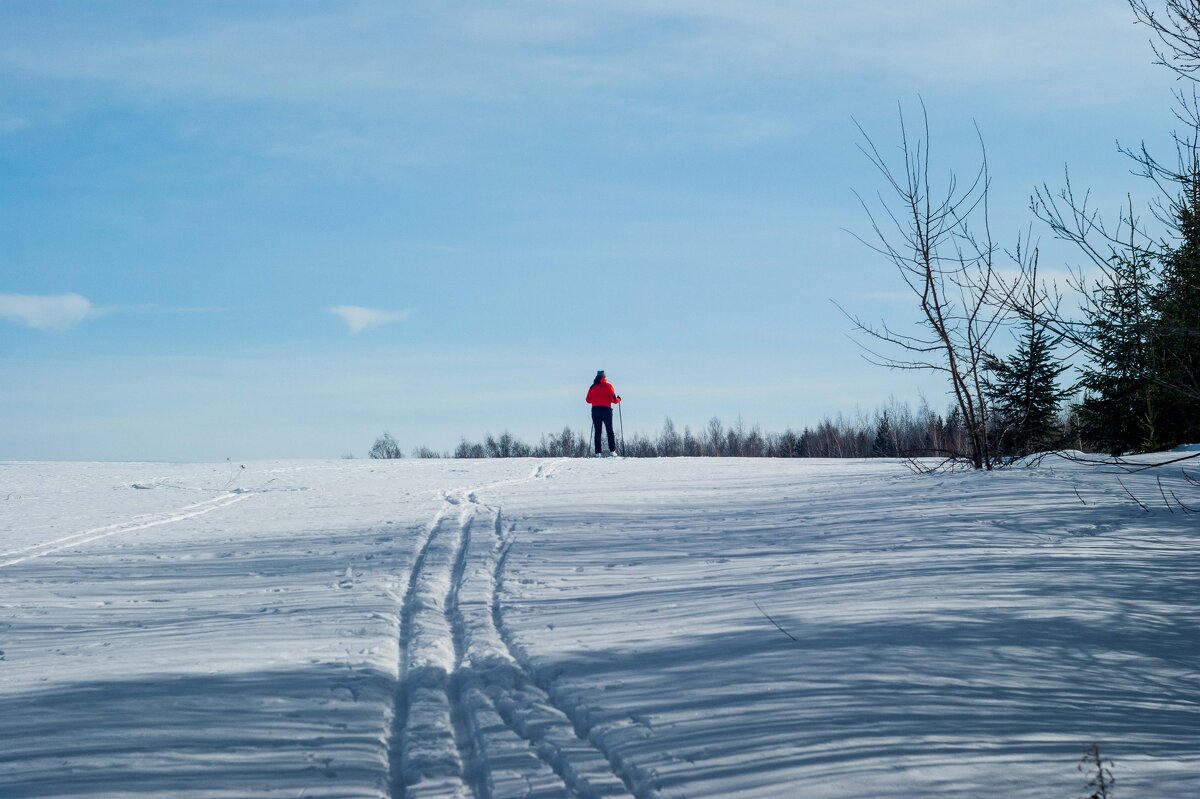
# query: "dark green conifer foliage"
x,y
885,438
1176,345
1120,410
1025,394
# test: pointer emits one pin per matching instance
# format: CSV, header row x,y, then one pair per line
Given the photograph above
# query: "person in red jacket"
x,y
601,396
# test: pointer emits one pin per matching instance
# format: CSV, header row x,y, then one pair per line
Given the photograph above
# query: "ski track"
x,y
424,753
471,719
140,522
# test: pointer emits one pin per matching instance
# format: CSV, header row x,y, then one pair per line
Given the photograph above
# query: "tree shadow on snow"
x,y
316,729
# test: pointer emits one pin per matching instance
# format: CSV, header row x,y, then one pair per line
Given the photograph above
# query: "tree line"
x,y
894,430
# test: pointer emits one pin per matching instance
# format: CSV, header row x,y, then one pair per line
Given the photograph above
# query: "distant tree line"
x,y
891,431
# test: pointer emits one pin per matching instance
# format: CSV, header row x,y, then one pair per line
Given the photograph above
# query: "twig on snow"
x,y
1078,495
777,627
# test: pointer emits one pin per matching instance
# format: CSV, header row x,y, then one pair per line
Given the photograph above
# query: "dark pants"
x,y
603,416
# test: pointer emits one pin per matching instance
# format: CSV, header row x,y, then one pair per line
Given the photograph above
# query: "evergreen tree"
x,y
1176,342
1023,389
953,433
885,438
1120,410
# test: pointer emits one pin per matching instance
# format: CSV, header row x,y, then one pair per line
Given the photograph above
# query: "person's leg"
x,y
596,418
608,422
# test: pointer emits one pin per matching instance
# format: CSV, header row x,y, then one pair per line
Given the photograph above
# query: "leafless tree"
x,y
1099,770
385,448
1175,27
938,239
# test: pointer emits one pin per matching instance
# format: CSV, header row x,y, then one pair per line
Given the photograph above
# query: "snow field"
x,y
219,655
959,634
592,629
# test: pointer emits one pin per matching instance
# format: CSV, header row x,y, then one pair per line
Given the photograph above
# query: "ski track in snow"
x,y
140,522
471,718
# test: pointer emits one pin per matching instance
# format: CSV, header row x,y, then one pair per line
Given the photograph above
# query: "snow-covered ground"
x,y
595,628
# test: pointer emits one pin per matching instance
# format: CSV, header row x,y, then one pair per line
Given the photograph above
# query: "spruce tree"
x,y
1176,341
885,439
1025,396
1120,410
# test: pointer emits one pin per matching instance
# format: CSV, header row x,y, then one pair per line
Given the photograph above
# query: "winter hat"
x,y
599,374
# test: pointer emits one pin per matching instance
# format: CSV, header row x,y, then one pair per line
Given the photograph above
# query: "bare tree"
x,y
928,234
1099,770
670,442
385,448
714,438
1175,26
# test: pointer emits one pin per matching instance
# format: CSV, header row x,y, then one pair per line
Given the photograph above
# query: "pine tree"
x,y
1176,350
1120,410
885,438
1025,396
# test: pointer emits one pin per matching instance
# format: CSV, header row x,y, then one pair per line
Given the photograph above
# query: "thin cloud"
x,y
358,318
155,308
501,59
13,124
353,50
54,312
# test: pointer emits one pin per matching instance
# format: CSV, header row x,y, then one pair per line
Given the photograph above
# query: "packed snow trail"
x,y
470,720
431,761
508,684
589,628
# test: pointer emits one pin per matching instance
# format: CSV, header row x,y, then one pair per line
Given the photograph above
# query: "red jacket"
x,y
602,394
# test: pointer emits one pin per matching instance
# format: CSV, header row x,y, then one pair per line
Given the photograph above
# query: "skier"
x,y
601,397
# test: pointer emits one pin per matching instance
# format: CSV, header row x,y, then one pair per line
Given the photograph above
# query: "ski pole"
x,y
621,416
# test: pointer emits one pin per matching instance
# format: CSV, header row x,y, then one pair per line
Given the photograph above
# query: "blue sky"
x,y
498,199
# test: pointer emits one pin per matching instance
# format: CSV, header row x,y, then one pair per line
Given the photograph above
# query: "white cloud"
x,y
56,312
13,124
358,318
